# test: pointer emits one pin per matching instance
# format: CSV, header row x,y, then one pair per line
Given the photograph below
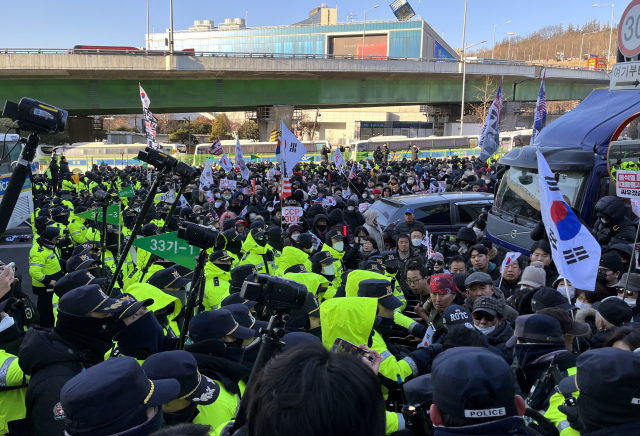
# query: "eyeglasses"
x,y
412,282
438,262
479,315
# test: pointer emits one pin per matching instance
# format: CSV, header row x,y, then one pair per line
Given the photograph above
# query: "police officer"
x,y
256,253
13,381
129,403
81,337
217,273
44,269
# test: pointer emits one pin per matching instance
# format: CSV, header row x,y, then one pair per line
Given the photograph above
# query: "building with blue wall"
x,y
396,39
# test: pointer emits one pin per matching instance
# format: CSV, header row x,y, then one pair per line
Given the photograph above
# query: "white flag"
x,y
574,250
225,163
490,138
150,121
338,159
289,149
244,171
206,178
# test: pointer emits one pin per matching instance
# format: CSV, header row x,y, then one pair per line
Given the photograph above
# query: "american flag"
x,y
285,188
352,173
540,116
216,148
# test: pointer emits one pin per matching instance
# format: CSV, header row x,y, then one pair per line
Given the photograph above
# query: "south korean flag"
x,y
574,250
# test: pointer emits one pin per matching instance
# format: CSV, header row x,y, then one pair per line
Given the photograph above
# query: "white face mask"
x,y
571,290
6,322
477,231
252,216
217,204
485,331
631,302
581,305
416,242
217,195
270,209
338,246
329,270
295,237
351,208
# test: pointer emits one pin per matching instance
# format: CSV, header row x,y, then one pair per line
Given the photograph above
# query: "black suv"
x,y
442,214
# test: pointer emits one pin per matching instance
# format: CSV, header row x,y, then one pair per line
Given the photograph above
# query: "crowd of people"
x,y
450,337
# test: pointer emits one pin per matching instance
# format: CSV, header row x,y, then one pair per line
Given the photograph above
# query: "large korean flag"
x,y
576,253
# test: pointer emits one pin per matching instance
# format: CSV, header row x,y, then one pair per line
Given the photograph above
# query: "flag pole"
x,y
631,261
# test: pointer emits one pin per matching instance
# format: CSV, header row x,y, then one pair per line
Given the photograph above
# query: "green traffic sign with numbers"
x,y
169,246
113,214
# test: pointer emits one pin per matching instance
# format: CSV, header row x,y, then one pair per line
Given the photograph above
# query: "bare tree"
x,y
485,96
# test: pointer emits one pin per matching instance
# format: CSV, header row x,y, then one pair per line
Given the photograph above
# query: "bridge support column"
x,y
269,118
512,113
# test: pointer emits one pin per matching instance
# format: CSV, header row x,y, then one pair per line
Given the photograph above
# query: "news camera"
x,y
274,292
35,116
197,235
160,160
187,171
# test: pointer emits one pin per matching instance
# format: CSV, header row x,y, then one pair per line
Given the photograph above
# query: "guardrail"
x,y
275,56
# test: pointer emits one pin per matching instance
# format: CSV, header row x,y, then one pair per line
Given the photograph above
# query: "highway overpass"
x,y
105,83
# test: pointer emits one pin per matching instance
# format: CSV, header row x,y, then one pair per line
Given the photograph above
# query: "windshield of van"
x,y
518,200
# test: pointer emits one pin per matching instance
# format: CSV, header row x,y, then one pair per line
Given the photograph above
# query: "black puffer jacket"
x,y
51,361
620,230
499,337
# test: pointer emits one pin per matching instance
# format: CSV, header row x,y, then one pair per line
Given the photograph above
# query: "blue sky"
x,y
65,23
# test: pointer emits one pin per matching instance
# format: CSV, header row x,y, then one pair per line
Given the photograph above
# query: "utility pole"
x,y
171,26
464,66
148,25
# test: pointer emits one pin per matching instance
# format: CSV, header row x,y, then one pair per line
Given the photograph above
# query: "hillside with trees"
x,y
555,44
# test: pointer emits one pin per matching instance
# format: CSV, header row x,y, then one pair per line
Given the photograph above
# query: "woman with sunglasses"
x,y
487,317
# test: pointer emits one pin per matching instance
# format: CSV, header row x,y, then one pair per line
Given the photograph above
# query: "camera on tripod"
x,y
35,116
158,159
198,236
275,292
186,171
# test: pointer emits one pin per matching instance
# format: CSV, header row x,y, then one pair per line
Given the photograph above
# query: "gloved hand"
x,y
269,256
572,416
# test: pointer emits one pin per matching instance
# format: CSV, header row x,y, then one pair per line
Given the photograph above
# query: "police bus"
x,y
82,155
257,151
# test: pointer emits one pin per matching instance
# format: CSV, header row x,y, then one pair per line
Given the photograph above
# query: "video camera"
x,y
158,159
275,292
35,116
198,236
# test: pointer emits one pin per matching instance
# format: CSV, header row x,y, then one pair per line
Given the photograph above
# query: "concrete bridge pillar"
x,y
269,118
512,112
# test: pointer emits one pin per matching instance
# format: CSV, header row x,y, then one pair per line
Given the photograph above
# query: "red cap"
x,y
443,284
377,191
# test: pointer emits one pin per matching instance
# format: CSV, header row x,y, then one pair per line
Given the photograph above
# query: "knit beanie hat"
x,y
534,275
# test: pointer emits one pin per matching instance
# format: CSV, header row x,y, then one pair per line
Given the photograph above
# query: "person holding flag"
x,y
244,171
338,160
490,138
510,270
289,150
540,116
150,121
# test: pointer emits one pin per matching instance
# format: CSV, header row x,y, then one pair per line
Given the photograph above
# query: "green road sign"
x,y
126,192
168,246
113,214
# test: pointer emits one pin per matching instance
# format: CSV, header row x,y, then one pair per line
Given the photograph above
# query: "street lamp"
x,y
147,24
364,23
509,51
581,44
610,32
494,38
464,80
464,66
171,26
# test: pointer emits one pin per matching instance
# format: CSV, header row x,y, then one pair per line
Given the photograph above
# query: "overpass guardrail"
x,y
275,56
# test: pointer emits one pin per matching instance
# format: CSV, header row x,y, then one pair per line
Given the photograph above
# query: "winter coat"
x,y
354,219
374,230
499,337
621,230
508,312
51,361
512,426
404,228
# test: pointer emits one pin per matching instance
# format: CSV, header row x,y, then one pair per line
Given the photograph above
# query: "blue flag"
x,y
540,116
